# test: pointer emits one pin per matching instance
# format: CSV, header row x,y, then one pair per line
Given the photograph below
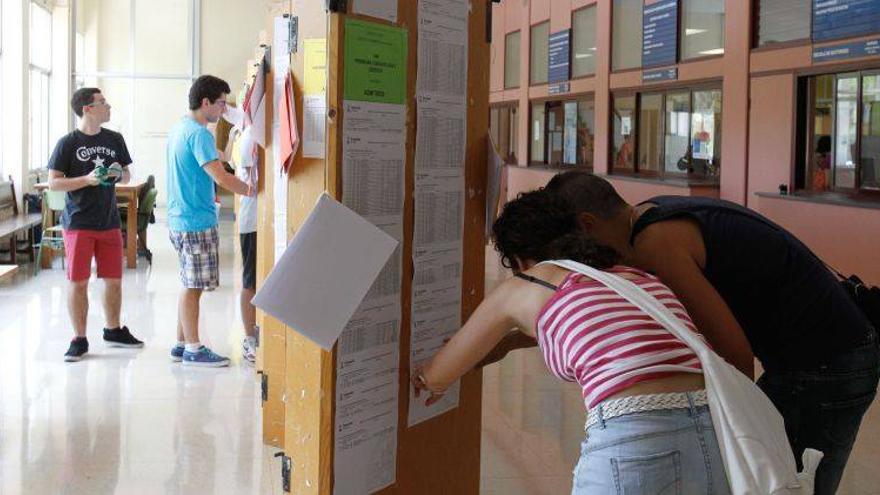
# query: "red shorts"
x,y
104,245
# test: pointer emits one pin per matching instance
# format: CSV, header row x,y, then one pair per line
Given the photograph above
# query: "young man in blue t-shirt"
x,y
193,168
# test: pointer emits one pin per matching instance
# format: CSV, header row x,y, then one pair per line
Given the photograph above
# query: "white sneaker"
x,y
249,349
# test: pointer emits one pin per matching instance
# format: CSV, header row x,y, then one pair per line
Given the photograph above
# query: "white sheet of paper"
x,y
368,354
438,227
281,68
380,9
325,272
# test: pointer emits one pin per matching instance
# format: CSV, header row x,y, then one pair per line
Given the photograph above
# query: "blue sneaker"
x,y
204,357
177,353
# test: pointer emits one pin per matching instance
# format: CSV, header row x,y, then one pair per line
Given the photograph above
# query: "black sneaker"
x,y
78,347
121,337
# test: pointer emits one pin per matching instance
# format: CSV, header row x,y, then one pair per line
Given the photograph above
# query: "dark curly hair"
x,y
540,226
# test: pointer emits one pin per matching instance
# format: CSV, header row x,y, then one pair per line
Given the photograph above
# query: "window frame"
x,y
519,59
661,173
43,72
595,37
641,42
532,81
512,108
545,103
802,162
682,29
774,45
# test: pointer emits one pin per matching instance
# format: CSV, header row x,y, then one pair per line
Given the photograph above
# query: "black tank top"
x,y
792,309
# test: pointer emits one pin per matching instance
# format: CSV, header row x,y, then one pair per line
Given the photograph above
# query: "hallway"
x,y
131,422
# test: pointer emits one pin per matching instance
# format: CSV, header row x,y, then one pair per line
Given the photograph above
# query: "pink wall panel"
x,y
771,129
539,10
845,237
513,14
735,100
560,15
782,59
496,50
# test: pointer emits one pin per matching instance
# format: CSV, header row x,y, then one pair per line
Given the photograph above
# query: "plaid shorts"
x,y
199,258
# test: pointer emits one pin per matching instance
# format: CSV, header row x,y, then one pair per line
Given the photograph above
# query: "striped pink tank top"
x,y
591,335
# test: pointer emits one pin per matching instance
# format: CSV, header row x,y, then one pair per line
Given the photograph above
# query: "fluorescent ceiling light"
x,y
692,31
583,55
714,51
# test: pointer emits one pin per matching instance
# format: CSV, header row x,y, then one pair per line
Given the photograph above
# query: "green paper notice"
x,y
375,62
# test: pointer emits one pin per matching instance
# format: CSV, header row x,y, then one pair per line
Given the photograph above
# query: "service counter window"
x,y
840,133
672,133
563,133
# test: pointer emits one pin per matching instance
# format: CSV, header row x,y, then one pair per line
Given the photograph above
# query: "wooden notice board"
x,y
441,455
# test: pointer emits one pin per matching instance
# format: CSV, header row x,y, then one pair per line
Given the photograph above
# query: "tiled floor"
x,y
123,421
130,422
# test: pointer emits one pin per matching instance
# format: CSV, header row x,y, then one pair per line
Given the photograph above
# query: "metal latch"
x,y
286,467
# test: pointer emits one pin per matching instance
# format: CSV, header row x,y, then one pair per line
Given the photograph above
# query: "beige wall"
x,y
230,33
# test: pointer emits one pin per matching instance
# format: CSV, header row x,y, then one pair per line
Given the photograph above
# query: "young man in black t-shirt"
x,y
86,164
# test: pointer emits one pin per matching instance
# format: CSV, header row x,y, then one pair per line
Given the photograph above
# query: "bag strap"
x,y
642,299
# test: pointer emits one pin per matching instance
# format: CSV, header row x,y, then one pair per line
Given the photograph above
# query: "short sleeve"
x,y
124,156
204,147
60,159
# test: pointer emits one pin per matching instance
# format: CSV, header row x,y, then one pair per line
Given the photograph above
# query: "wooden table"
x,y
7,271
130,192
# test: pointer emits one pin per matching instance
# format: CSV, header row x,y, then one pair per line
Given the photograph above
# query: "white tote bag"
x,y
750,431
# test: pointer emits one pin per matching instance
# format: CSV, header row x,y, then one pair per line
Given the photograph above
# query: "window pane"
x,y
511,60
538,133
583,24
555,133
571,133
623,121
162,36
40,37
819,164
870,145
626,34
586,130
106,29
38,119
706,133
650,129
504,130
677,154
702,28
494,127
538,58
514,136
783,20
845,131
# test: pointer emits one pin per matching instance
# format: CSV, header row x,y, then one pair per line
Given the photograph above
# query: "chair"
x,y
146,205
53,235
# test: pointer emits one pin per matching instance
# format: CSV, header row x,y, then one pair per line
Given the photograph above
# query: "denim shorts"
x,y
668,452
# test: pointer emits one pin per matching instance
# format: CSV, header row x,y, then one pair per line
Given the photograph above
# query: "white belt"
x,y
642,403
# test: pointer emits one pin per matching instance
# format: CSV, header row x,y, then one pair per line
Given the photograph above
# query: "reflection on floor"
x,y
130,422
533,427
123,421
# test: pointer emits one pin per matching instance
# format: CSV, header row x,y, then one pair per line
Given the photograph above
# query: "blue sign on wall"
x,y
559,55
835,19
660,33
847,50
660,75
